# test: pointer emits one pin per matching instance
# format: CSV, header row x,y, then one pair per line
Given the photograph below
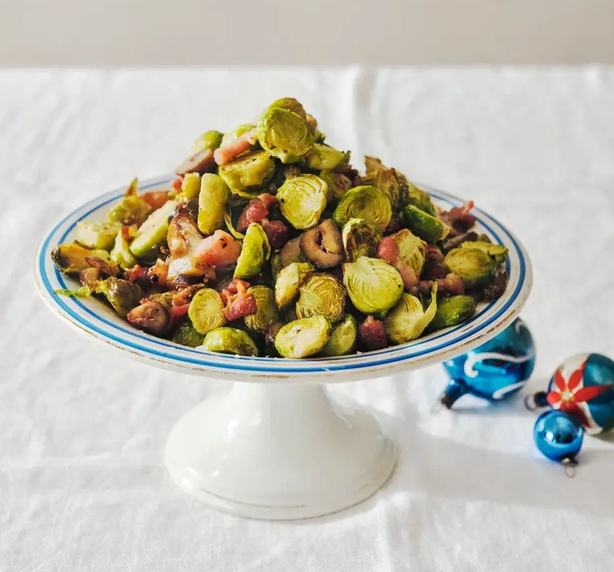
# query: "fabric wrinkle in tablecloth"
x,y
82,481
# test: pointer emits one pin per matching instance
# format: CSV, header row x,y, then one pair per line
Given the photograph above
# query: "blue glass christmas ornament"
x,y
495,370
558,436
583,387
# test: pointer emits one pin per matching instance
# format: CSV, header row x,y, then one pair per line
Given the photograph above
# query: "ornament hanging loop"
x,y
570,466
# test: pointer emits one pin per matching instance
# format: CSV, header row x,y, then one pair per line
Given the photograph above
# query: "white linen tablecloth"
x,y
82,427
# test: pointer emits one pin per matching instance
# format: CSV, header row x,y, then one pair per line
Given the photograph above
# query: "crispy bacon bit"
x,y
155,199
277,233
219,250
458,218
240,304
268,200
388,250
135,273
241,144
408,274
177,183
184,296
433,253
372,334
395,225
255,211
452,284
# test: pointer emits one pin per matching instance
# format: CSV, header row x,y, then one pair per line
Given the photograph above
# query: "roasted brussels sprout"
x,y
425,225
214,194
342,339
324,157
255,252
70,258
321,294
246,174
420,199
97,235
121,255
338,184
364,202
288,280
208,140
190,186
132,209
292,104
276,265
230,341
291,252
474,266
408,319
267,312
452,311
372,284
360,238
497,251
389,181
152,233
303,337
284,134
186,335
121,294
412,250
206,311
322,245
302,200
230,136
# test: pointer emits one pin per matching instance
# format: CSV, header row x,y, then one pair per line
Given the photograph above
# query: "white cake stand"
x,y
277,446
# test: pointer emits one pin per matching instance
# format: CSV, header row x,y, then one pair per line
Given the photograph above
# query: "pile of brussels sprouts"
x,y
269,243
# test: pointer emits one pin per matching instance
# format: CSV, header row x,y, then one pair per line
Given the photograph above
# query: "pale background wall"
x,y
107,32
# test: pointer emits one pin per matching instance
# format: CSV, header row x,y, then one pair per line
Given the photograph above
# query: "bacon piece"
x,y
452,284
372,334
255,211
433,253
233,288
458,218
432,270
158,273
388,250
177,183
277,233
240,304
135,273
241,144
408,274
268,200
155,199
220,249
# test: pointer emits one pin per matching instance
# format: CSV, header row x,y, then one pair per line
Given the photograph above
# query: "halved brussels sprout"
x,y
291,252
453,311
303,338
360,238
152,233
267,312
190,186
322,245
408,319
97,235
208,140
338,184
288,280
206,311
121,294
372,284
230,341
214,194
186,335
342,339
324,157
246,174
364,202
284,134
321,294
255,252
412,250
292,104
230,136
132,209
425,225
473,265
497,251
70,258
302,200
121,255
389,181
420,199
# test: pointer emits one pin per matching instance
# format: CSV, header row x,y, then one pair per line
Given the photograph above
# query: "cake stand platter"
x,y
277,446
